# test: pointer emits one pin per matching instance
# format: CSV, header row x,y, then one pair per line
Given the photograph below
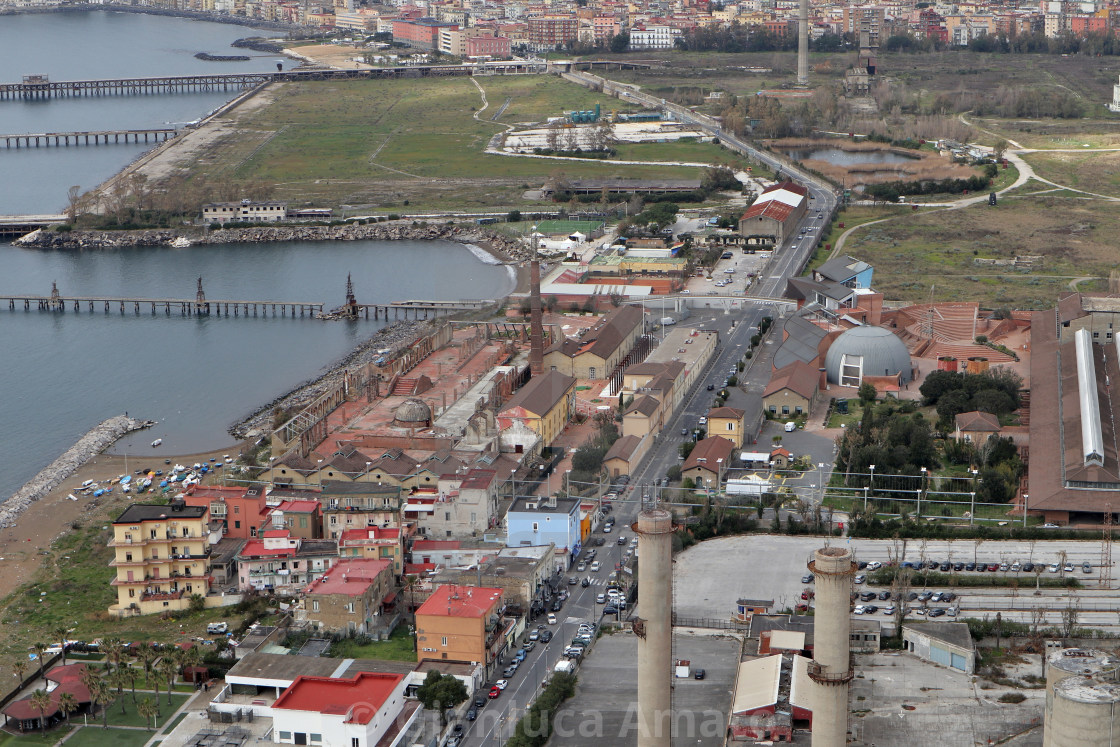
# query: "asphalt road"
x,y
495,721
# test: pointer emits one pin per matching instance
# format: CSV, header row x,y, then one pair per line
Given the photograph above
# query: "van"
x,y
791,427
217,628
667,320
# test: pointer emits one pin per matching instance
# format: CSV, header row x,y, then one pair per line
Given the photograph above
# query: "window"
x,y
773,409
350,608
354,742
315,738
731,426
237,509
798,409
237,524
128,557
447,516
132,592
443,641
785,409
315,606
591,372
536,527
285,735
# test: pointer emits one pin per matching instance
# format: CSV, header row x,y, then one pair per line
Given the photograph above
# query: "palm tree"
x,y
147,656
148,710
119,679
114,650
39,649
101,694
168,668
60,633
67,703
21,670
41,702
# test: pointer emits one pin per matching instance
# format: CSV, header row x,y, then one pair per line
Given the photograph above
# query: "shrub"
x,y
1012,697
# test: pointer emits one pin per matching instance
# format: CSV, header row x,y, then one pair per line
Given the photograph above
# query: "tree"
x,y
101,694
514,216
21,670
40,648
60,634
148,710
119,679
619,43
442,693
73,202
114,652
67,703
168,667
867,393
41,702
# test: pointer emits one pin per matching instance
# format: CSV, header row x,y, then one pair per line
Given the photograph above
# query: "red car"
x,y
494,692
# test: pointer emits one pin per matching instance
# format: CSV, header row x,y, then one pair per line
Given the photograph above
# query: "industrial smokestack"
x,y
536,323
803,44
831,669
655,632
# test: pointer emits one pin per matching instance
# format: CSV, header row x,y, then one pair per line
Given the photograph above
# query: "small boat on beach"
x,y
157,442
72,497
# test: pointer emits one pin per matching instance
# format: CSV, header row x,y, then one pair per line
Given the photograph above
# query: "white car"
x,y
501,684
595,566
1053,568
888,610
859,609
600,598
607,529
703,420
874,565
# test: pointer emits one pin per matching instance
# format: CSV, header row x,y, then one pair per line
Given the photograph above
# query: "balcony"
x,y
161,596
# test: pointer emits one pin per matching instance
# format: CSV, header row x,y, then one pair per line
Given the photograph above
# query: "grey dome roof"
x,y
413,411
883,354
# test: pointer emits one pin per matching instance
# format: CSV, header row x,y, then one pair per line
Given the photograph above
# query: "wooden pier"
x,y
101,137
418,309
197,306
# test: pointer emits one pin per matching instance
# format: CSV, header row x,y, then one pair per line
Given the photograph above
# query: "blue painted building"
x,y
539,521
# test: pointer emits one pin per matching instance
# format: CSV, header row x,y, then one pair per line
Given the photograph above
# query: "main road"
x,y
496,720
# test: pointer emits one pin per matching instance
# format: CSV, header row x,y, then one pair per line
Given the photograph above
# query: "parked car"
x,y
936,612
1086,567
610,609
494,692
572,581
595,566
509,671
972,566
874,565
581,567
472,713
535,635
621,540
479,700
501,684
884,595
1028,567
699,674
556,605
807,578
1053,568
217,628
860,578
888,610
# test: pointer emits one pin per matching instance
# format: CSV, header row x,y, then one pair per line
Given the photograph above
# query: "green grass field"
x,y
400,647
95,736
34,739
131,718
391,144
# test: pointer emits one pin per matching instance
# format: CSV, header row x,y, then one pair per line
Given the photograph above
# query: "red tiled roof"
x,y
418,569
788,186
478,479
69,679
779,211
358,699
977,420
706,452
367,533
299,507
256,549
276,533
460,601
349,577
436,545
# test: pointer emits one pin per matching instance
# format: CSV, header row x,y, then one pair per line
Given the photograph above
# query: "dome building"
x,y
867,351
412,413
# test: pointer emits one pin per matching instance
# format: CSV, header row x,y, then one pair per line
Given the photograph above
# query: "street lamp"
x,y
870,487
567,483
972,497
319,472
925,487
513,484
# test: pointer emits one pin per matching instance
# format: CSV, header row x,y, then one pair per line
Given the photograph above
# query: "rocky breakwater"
x,y
500,245
88,446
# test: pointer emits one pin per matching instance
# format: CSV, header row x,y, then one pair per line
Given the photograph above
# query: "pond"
x,y
838,157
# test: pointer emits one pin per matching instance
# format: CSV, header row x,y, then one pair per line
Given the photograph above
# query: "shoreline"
x,y
257,23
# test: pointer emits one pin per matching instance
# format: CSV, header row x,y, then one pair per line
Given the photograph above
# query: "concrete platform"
x,y
604,710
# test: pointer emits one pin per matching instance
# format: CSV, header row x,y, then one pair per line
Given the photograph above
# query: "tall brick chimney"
x,y
536,321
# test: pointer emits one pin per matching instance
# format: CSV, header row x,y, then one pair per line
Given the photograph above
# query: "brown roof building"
x,y
976,426
707,460
601,349
1074,463
792,389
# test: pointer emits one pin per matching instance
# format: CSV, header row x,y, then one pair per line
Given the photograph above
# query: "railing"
x,y
817,674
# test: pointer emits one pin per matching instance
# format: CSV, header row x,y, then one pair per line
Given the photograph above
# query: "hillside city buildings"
x,y
485,29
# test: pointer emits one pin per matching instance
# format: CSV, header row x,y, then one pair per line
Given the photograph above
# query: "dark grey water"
x,y
838,157
61,374
99,44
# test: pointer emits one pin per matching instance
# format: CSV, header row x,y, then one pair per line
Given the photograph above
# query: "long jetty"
x,y
41,87
202,306
98,137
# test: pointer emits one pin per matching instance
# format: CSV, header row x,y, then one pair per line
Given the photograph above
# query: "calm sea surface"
x,y
61,374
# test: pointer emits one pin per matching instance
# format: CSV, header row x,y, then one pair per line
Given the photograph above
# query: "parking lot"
x,y
710,576
604,708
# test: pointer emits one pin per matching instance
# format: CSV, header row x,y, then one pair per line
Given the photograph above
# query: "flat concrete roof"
x,y
787,640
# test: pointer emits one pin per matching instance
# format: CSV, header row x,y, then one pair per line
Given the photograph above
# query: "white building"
x,y
653,37
335,712
246,210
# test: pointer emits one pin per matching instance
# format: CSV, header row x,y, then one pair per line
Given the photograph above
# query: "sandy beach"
x,y
51,516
